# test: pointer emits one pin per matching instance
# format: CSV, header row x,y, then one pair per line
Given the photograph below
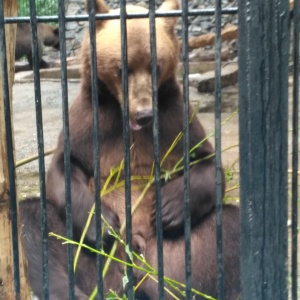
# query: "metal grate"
x,y
263,114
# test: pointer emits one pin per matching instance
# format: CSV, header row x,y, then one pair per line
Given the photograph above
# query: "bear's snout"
x,y
141,119
144,117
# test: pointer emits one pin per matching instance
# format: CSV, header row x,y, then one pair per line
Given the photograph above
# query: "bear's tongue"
x,y
134,126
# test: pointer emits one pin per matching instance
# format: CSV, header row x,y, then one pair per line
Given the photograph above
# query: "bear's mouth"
x,y
141,119
134,125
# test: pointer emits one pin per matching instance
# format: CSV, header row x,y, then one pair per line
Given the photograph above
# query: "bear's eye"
x,y
119,71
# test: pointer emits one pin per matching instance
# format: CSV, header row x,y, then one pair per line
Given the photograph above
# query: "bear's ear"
x,y
166,6
100,6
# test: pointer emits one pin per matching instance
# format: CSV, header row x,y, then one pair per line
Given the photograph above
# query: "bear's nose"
x,y
144,117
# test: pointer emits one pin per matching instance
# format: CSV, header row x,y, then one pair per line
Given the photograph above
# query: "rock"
x,y
197,67
205,103
205,83
71,26
73,9
21,66
76,45
73,72
142,4
70,34
194,79
202,54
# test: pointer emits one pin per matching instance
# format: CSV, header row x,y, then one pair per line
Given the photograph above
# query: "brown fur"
x,y
58,276
170,104
47,36
203,258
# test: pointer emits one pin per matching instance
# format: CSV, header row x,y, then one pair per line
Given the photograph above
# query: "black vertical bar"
x,y
155,127
40,142
263,47
218,160
186,148
295,153
10,156
96,144
126,135
67,164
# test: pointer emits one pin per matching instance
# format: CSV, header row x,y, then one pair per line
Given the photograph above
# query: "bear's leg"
x,y
82,201
57,252
203,262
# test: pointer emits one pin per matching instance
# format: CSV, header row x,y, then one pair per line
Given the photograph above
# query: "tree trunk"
x,y
13,285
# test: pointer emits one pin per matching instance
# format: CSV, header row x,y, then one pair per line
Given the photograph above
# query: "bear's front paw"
x,y
112,219
172,214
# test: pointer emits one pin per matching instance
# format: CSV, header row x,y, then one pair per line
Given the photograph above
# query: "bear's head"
x,y
49,34
109,57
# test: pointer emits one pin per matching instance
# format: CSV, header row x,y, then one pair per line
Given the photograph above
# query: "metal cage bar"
x,y
40,142
96,144
126,136
186,149
156,150
263,47
295,153
218,162
67,156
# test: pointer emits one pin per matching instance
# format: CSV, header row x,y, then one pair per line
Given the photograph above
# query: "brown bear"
x,y
202,170
47,36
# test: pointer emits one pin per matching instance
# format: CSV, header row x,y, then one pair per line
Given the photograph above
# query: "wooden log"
x,y
7,289
227,34
205,83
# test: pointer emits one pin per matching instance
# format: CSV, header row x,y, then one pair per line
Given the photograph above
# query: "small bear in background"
x,y
47,36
